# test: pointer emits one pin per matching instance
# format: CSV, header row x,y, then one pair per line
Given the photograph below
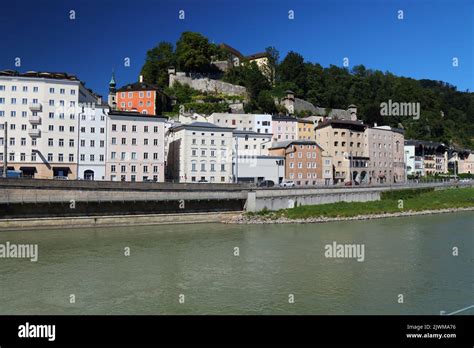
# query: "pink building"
x,y
284,128
135,147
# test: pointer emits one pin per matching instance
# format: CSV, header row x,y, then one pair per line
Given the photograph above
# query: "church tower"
x,y
112,93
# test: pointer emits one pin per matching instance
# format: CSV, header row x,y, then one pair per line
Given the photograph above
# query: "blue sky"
x,y
422,45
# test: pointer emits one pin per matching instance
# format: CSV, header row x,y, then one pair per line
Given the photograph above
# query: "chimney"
x,y
352,111
141,78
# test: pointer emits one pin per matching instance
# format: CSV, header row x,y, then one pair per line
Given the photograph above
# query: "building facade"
x,y
306,129
303,161
386,151
200,152
259,123
141,97
284,128
42,110
92,142
345,143
260,168
135,147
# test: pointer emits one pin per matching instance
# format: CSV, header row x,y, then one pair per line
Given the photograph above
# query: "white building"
x,y
42,113
260,168
412,168
135,147
92,142
250,143
258,123
200,151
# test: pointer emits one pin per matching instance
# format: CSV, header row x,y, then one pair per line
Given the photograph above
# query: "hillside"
x,y
446,115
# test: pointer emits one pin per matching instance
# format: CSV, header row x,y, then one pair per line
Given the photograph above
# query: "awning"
x,y
29,169
66,169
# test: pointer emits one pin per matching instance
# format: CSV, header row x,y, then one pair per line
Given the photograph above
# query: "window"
x,y
50,157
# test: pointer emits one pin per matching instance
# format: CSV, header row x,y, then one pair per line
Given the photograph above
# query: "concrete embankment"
x,y
110,221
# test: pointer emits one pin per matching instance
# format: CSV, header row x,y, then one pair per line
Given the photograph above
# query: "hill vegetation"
x,y
447,115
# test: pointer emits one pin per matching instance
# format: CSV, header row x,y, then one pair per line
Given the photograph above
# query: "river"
x,y
279,269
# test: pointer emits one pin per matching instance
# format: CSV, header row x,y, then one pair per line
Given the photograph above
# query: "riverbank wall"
x,y
113,221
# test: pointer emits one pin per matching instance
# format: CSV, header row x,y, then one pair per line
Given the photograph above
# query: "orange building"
x,y
303,161
141,97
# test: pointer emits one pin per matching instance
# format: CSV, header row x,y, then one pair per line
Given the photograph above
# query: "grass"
x,y
413,199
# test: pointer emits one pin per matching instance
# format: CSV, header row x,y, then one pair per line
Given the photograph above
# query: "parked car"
x,y
288,183
203,181
149,180
61,177
266,183
348,183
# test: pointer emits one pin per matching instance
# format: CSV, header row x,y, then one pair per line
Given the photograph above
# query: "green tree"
x,y
157,62
194,53
292,69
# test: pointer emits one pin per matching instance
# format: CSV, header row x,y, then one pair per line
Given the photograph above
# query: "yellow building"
x,y
306,130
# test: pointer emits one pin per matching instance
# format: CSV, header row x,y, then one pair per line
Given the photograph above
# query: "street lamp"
x,y
5,157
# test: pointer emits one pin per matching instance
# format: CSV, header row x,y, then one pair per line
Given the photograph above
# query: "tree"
x,y
157,62
194,53
292,69
266,103
273,59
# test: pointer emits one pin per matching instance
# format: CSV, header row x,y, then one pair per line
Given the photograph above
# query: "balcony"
x,y
34,119
34,133
35,107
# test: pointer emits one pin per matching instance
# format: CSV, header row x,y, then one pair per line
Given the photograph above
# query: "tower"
x,y
112,93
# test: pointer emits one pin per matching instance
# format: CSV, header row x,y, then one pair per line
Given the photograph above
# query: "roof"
x,y
201,125
284,118
139,86
424,143
303,120
39,74
340,124
257,56
232,50
389,129
135,114
237,53
286,143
